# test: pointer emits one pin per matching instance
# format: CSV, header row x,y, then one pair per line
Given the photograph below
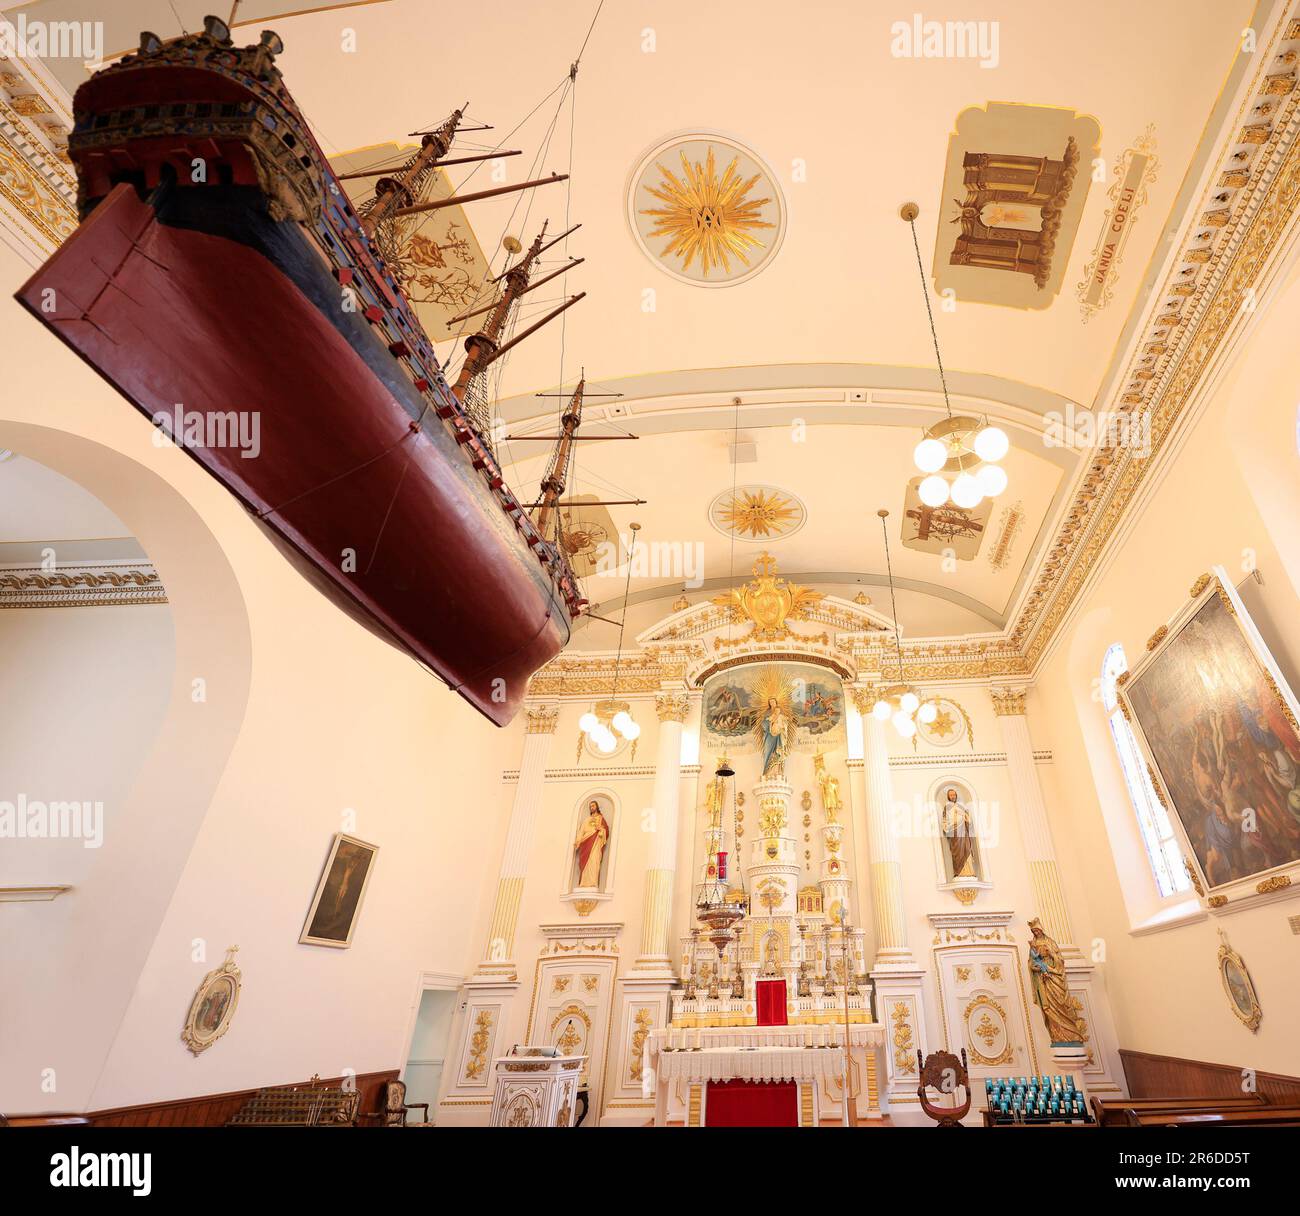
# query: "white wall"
x,y
235,799
1231,497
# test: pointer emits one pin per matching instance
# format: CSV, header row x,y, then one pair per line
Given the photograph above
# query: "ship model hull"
x,y
276,351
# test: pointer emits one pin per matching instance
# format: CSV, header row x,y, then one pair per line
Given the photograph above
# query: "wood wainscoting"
x,y
1153,1076
216,1110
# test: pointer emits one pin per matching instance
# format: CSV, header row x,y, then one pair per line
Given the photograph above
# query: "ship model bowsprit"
x,y
256,285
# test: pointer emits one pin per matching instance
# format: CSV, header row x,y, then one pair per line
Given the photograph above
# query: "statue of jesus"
x,y
590,844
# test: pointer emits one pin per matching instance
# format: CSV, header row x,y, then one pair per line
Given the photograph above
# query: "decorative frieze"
x,y
81,585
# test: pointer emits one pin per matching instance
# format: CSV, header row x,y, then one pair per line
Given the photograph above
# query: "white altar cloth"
x,y
752,1064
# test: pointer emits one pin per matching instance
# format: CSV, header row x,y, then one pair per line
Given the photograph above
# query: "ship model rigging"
x,y
257,284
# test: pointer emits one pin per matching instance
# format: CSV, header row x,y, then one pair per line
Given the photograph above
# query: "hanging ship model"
x,y
256,284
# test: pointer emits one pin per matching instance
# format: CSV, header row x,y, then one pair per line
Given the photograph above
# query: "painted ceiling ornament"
x,y
757,513
768,601
706,209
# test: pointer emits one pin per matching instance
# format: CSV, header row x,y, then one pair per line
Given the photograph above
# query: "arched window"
x,y
1157,832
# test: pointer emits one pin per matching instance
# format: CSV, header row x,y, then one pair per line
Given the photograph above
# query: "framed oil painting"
x,y
1239,986
337,903
1219,727
213,1007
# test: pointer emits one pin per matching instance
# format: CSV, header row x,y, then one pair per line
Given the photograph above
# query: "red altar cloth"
x,y
752,1103
771,1002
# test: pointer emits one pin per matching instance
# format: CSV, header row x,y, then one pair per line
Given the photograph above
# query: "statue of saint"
x,y
959,834
1051,988
775,730
715,793
772,955
830,786
590,844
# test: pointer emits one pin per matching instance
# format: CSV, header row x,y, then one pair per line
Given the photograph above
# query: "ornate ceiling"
x,y
1164,173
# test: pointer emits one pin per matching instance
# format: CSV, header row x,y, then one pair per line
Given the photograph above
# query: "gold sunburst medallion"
x,y
707,216
706,210
757,513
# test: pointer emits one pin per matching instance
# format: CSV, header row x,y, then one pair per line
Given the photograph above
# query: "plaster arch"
x,y
108,934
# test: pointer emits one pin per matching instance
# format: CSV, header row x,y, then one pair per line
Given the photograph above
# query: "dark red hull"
x,y
386,514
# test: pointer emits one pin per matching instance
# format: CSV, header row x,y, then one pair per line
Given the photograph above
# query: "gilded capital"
x,y
1008,701
541,719
864,697
672,706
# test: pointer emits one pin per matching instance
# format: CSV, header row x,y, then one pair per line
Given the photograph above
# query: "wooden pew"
x,y
1113,1112
1264,1116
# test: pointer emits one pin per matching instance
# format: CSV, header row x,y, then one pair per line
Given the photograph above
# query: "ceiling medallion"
x,y
761,513
706,209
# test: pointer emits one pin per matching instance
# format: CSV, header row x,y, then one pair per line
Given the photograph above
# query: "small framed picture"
x,y
213,1007
1239,986
337,903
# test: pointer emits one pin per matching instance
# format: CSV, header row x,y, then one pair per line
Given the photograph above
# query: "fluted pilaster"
x,y
1040,851
498,954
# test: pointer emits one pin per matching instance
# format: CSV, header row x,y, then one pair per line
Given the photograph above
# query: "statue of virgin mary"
x,y
774,731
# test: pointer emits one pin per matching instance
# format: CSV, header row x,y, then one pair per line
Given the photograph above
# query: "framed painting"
x,y
213,1007
1218,724
1239,986
337,903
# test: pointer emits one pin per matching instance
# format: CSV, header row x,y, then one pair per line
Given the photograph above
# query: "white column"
x,y
499,951
1040,852
898,980
656,913
882,844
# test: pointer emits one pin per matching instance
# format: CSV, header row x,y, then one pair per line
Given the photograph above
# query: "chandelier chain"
x,y
929,312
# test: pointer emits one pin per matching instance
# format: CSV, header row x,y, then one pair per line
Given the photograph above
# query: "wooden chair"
x,y
943,1071
393,1108
1114,1112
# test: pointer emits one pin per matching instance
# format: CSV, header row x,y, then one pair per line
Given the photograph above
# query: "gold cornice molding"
x,y
81,585
37,188
1189,318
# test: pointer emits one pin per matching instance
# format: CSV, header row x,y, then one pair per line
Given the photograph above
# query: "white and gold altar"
x,y
794,875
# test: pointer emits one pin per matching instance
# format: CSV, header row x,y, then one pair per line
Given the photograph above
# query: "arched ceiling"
x,y
827,348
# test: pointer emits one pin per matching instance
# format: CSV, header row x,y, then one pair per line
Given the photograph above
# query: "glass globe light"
x,y
605,741
880,711
633,731
933,490
930,455
966,491
622,720
588,722
909,701
992,443
904,725
992,479
927,713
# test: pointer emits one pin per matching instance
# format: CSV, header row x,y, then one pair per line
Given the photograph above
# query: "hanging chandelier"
x,y
959,454
605,718
900,703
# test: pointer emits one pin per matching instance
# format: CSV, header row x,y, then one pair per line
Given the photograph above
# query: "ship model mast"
x,y
484,348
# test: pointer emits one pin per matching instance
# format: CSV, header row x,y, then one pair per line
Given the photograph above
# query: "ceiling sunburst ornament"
x,y
758,513
706,209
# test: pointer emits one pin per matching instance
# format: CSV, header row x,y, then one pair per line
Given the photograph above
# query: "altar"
x,y
762,1076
